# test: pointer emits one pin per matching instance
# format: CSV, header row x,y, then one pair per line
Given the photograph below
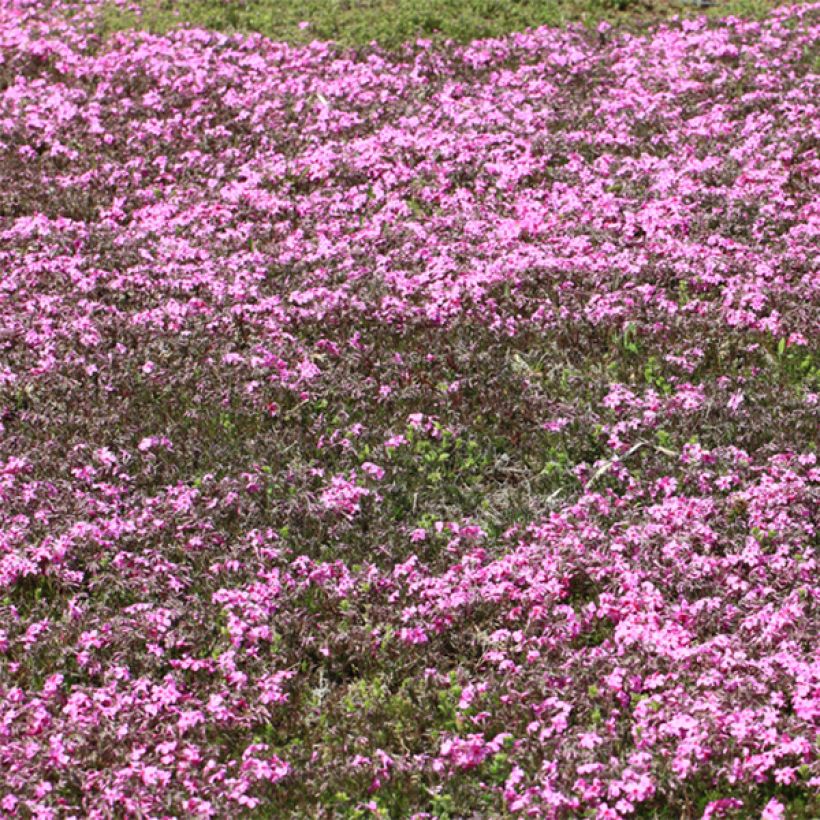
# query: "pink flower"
x,y
271,687
344,496
373,470
773,810
413,635
395,441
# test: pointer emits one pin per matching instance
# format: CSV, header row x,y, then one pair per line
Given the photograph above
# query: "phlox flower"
x,y
773,810
373,470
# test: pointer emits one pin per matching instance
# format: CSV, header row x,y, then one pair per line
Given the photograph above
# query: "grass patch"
x,y
393,22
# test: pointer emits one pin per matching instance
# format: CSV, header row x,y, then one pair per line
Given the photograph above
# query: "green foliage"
x,y
392,22
653,378
354,22
797,365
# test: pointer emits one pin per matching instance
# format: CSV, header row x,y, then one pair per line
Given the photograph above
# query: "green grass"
x,y
392,22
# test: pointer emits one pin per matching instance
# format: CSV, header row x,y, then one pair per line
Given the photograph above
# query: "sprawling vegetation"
x,y
415,432
394,22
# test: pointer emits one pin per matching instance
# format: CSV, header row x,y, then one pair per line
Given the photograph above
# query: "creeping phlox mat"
x,y
426,432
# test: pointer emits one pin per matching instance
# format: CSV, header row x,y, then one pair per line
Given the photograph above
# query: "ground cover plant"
x,y
426,432
394,22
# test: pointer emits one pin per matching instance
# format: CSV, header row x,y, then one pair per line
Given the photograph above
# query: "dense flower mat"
x,y
428,432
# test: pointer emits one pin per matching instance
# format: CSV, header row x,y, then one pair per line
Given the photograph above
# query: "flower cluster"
x,y
418,433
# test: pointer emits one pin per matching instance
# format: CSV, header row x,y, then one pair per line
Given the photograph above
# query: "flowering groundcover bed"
x,y
407,433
